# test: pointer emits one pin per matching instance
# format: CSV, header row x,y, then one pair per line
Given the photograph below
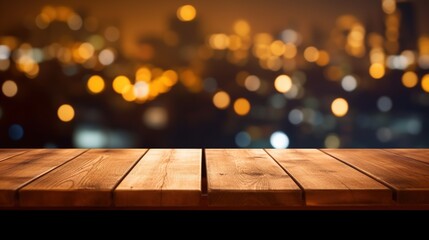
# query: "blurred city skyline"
x,y
214,74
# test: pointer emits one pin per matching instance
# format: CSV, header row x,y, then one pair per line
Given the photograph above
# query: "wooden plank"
x,y
248,177
327,181
17,171
409,178
417,154
163,177
87,180
6,153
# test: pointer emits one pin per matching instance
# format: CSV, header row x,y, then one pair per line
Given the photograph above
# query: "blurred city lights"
x,y
279,140
340,107
283,83
241,106
95,84
186,13
65,113
221,100
9,88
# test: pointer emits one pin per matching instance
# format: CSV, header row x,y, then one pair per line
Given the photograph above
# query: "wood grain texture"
x,y
417,154
87,180
408,178
327,181
163,177
19,170
248,177
6,153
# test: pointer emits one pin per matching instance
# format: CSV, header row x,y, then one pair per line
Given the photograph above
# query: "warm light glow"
x,y
410,79
106,57
120,83
252,83
143,74
339,107
425,83
389,6
323,59
241,106
311,54
141,90
283,83
277,48
95,84
219,41
9,88
65,113
290,51
128,93
242,28
170,78
186,13
332,141
86,50
221,100
377,70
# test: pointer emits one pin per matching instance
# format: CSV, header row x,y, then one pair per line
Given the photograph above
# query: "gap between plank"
x,y
43,174
123,177
411,158
204,183
364,172
290,175
24,151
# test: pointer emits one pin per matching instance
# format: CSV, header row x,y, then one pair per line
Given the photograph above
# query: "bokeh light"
x,y
221,100
95,84
410,79
155,117
186,13
16,132
332,141
9,88
120,83
425,83
377,70
65,113
241,106
340,107
279,140
243,139
384,104
283,83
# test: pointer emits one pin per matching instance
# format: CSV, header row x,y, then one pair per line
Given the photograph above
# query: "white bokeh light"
x,y
279,140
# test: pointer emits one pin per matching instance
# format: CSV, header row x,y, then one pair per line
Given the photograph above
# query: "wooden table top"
x,y
214,178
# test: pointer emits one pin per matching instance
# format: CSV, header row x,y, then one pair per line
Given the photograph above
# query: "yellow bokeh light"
x,y
241,106
340,107
290,50
65,113
9,88
323,59
332,141
311,54
389,6
377,70
95,84
277,48
169,78
186,13
120,83
425,83
219,41
410,79
143,74
221,100
86,50
242,28
128,93
283,83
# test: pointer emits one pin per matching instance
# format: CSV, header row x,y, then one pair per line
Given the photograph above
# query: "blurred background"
x,y
218,73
